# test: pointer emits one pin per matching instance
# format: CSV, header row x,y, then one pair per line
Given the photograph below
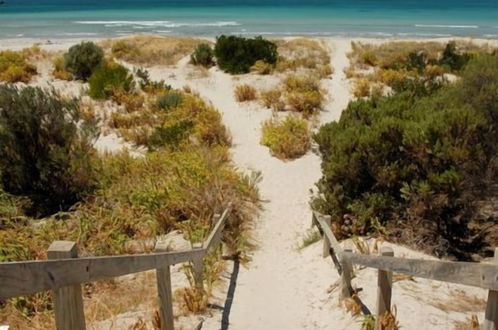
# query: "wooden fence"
x,y
64,273
482,275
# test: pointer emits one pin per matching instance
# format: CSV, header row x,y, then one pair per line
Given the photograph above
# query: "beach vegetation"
x,y
273,99
108,80
261,67
203,55
289,138
303,53
47,150
361,88
303,94
83,59
169,101
152,50
60,71
237,55
14,67
245,93
412,165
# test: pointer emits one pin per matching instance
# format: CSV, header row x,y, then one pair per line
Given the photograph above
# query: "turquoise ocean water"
x,y
369,18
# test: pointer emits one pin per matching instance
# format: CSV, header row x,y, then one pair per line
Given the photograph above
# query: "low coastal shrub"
x,y
361,88
261,67
14,67
244,93
289,138
46,151
303,94
109,79
412,165
272,99
82,59
60,71
203,55
169,101
237,54
151,50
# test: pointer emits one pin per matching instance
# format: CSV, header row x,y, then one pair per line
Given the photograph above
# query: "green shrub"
x,y
169,101
237,55
411,165
108,79
82,59
453,59
46,149
202,55
15,68
287,139
170,135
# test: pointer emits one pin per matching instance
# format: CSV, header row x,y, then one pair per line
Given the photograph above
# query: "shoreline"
x,y
57,44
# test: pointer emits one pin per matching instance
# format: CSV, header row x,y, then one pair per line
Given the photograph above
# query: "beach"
x,y
284,287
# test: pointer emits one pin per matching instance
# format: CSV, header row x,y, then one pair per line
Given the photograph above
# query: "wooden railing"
x,y
482,275
65,272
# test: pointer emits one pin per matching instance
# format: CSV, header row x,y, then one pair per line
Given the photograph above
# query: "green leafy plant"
x,y
46,149
109,79
237,55
169,101
203,55
82,59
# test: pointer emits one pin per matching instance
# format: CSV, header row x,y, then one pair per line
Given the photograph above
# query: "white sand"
x,y
283,288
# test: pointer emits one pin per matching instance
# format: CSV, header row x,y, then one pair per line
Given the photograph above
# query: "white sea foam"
x,y
168,24
78,34
447,26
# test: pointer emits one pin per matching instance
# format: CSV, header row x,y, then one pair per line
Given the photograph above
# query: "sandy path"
x,y
282,288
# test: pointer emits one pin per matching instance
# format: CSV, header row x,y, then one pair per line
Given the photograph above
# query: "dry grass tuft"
x,y
287,139
245,93
272,99
191,300
388,320
151,50
303,53
471,323
352,306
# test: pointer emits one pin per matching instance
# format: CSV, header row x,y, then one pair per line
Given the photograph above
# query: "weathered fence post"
x,y
326,243
198,268
346,276
384,286
163,277
69,313
491,315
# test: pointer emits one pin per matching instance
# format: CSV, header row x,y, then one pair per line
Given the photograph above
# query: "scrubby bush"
x,y
202,55
237,55
82,59
169,101
272,99
412,165
303,94
287,139
109,79
361,88
262,67
60,71
46,149
15,68
244,93
452,58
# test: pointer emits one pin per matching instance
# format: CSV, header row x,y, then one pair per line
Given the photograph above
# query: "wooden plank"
x,y
327,220
328,233
346,277
491,314
384,286
466,273
68,300
164,292
215,235
198,270
20,278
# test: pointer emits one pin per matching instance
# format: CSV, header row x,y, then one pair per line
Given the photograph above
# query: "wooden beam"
x,y
384,286
327,220
164,292
69,313
466,273
491,314
215,235
327,231
346,276
27,277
